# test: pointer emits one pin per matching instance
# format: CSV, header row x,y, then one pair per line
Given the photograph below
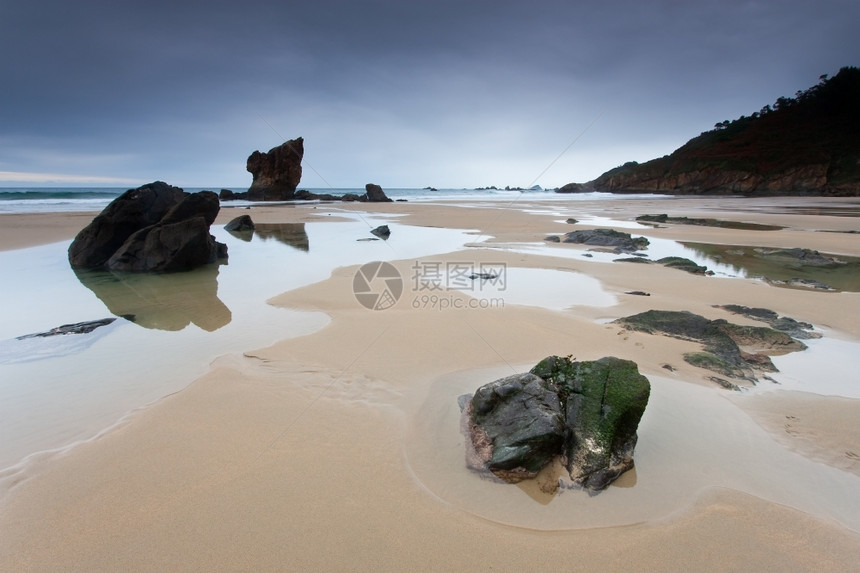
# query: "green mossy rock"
x,y
585,412
722,341
604,401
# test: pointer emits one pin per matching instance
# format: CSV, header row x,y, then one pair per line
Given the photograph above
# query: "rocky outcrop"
x,y
375,194
65,329
742,225
585,413
788,325
156,227
732,350
573,188
276,173
617,240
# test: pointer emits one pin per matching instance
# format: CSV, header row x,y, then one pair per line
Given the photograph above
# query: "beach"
x,y
324,436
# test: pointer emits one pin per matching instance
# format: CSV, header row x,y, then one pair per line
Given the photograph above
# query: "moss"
x,y
603,402
721,340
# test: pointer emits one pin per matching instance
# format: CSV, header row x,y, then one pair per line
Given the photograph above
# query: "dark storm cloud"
x,y
403,93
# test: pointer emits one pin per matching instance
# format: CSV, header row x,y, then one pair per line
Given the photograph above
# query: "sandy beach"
x,y
339,450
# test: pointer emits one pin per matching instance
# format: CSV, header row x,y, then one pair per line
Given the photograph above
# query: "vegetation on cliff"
x,y
808,144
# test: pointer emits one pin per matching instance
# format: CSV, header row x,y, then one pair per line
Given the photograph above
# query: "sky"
x,y
442,93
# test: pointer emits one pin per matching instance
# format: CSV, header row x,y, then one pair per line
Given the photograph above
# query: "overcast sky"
x,y
401,93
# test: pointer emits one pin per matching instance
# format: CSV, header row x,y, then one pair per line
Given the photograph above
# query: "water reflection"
x,y
292,234
782,270
164,301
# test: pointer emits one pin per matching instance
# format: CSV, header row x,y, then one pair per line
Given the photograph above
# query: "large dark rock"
x,y
276,173
125,215
375,194
156,227
586,413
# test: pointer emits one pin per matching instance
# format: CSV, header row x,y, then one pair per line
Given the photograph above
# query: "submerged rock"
x,y
798,257
684,264
792,327
585,413
621,242
76,328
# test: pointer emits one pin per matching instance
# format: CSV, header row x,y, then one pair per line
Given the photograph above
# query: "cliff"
x,y
806,145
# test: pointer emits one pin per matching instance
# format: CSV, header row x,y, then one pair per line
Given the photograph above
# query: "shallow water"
x,y
747,260
55,391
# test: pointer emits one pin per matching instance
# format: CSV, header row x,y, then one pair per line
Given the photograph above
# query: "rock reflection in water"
x,y
793,268
163,301
292,234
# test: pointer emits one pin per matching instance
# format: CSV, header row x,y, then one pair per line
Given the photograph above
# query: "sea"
x,y
86,199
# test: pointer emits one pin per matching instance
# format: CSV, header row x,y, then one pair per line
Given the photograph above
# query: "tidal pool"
x,y
58,390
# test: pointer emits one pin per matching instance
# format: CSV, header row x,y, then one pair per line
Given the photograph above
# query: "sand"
x,y
338,451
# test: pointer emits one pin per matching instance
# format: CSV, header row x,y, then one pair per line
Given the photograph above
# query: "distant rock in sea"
x,y
276,173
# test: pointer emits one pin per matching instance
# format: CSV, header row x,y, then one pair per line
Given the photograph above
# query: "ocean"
x,y
86,199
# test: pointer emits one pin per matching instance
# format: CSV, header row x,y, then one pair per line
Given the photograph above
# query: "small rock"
x,y
382,231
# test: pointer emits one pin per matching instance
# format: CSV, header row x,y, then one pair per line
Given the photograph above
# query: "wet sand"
x,y
339,450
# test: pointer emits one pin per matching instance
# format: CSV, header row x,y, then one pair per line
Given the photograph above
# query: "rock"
x,y
802,282
382,231
683,264
483,276
621,242
792,327
375,194
722,341
240,224
573,188
585,413
170,247
663,218
128,213
77,328
572,221
517,425
229,195
156,227
276,173
552,239
798,258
